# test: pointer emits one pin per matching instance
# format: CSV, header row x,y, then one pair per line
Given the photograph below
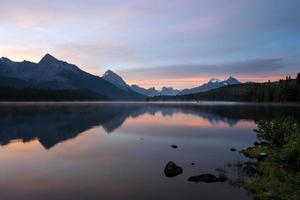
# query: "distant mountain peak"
x,y
3,59
166,87
48,58
230,77
212,84
110,73
153,92
170,91
232,80
115,79
214,80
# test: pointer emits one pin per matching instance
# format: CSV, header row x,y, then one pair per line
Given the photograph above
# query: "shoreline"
x,y
200,103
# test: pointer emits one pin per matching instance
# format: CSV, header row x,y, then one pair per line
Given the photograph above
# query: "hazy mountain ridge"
x,y
212,84
169,91
151,92
287,90
118,81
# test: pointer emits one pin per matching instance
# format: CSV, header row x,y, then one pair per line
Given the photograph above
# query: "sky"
x,y
178,43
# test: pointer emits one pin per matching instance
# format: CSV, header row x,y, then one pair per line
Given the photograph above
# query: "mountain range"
x,y
53,74
165,91
118,81
212,84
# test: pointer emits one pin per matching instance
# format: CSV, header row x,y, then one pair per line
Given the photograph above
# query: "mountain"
x,y
115,79
118,81
150,92
48,69
51,73
279,91
212,84
169,91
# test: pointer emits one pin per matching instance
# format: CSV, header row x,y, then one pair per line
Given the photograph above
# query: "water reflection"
x,y
54,123
119,150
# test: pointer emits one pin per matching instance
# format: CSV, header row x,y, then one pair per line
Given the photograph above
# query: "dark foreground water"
x,y
119,150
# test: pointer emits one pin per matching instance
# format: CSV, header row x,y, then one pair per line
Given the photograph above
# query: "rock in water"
x,y
172,170
232,149
207,178
174,146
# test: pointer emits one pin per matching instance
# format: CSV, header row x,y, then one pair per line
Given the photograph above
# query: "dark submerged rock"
x,y
207,178
261,143
172,170
256,143
221,170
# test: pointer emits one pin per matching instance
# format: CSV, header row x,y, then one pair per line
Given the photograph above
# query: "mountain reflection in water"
x,y
52,123
119,150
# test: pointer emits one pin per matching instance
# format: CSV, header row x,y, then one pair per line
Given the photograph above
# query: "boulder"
x,y
172,170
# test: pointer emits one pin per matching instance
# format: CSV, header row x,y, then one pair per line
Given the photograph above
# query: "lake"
x,y
119,150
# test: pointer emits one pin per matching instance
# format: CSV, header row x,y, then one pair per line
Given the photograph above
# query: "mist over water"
x,y
119,150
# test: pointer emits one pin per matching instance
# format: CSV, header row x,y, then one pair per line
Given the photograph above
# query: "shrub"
x,y
291,151
277,132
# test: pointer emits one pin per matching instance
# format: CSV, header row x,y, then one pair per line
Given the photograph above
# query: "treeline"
x,y
287,90
33,94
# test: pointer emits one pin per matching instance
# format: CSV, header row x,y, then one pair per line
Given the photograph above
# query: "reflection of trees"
x,y
51,124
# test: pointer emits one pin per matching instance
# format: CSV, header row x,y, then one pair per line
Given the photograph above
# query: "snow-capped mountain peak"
x,y
212,84
214,80
231,80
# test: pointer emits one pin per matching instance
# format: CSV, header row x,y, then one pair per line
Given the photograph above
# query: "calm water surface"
x,y
119,150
